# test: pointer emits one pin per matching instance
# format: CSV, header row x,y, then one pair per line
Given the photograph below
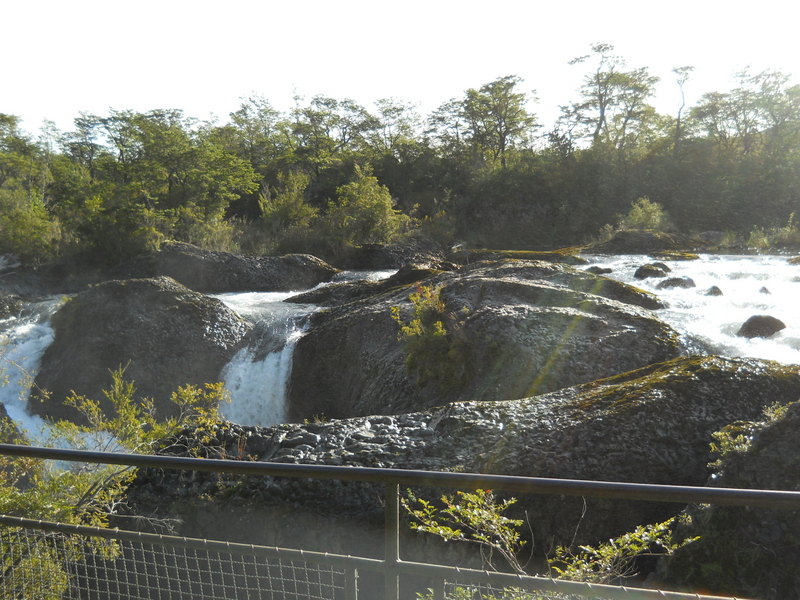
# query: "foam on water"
x,y
712,321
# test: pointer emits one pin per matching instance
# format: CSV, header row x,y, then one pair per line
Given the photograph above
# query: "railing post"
x,y
392,541
351,584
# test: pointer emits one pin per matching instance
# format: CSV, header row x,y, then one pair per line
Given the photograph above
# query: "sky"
x,y
64,57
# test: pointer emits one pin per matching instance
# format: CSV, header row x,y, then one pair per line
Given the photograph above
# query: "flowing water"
x,y
257,376
751,285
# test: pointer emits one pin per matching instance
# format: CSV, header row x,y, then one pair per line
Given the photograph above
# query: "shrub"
x,y
645,214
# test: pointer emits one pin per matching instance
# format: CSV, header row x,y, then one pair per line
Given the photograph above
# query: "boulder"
x,y
760,326
747,552
764,290
163,333
713,291
652,425
676,282
650,270
394,256
635,242
795,260
514,328
467,256
594,269
217,272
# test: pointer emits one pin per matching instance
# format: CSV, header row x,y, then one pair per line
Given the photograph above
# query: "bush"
x,y
645,214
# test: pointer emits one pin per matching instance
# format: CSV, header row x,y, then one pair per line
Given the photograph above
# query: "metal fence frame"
x,y
392,566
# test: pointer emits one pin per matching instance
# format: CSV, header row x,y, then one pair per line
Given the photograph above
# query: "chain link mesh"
x,y
53,566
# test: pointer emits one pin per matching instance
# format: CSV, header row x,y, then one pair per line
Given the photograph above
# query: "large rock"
x,y
216,272
636,242
747,552
516,328
163,333
762,326
652,425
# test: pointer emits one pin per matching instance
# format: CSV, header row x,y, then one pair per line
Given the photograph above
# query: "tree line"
x,y
480,169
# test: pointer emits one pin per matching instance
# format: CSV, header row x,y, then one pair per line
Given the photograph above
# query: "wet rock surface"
x,y
760,326
519,328
676,282
163,333
651,425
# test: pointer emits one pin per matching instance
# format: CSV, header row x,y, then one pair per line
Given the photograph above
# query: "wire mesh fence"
x,y
43,565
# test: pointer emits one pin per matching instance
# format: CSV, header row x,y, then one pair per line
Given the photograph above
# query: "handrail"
x,y
412,477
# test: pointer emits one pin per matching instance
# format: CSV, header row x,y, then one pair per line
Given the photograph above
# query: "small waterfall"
x,y
23,341
257,376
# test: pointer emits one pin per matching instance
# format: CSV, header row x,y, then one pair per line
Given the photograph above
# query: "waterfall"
x,y
23,341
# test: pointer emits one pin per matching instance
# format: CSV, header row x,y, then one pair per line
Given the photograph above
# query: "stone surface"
x,y
652,425
516,328
649,270
676,282
713,291
747,552
636,242
163,333
217,272
760,326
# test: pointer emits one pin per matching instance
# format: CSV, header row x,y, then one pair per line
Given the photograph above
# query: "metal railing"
x,y
391,568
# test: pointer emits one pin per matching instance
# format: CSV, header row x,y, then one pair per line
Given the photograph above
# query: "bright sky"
x,y
61,57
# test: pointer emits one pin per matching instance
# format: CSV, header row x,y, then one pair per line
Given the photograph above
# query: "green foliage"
x,y
645,214
86,494
364,212
477,518
473,517
432,353
26,228
615,560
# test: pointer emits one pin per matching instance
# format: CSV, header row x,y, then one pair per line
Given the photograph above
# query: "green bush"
x,y
645,214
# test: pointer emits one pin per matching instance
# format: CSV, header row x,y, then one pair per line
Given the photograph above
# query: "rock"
x,y
635,242
217,272
713,291
764,290
599,270
650,270
676,282
375,257
747,552
10,305
795,260
342,293
568,256
760,326
675,255
166,334
517,328
652,425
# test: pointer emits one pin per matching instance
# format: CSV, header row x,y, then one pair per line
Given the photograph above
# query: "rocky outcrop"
x,y
636,242
394,256
747,552
568,256
515,328
652,425
163,333
216,272
713,291
760,326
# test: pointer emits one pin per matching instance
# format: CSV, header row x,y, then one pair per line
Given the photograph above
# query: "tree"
x,y
496,116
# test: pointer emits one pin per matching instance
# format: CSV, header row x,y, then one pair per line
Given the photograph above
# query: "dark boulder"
x,y
636,242
376,257
760,326
594,269
764,290
713,291
746,551
166,334
515,328
217,272
648,271
652,425
676,282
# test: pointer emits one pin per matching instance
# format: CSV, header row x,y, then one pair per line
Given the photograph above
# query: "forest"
x,y
480,170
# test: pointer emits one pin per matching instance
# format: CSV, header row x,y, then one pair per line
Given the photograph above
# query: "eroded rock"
x,y
163,333
760,326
